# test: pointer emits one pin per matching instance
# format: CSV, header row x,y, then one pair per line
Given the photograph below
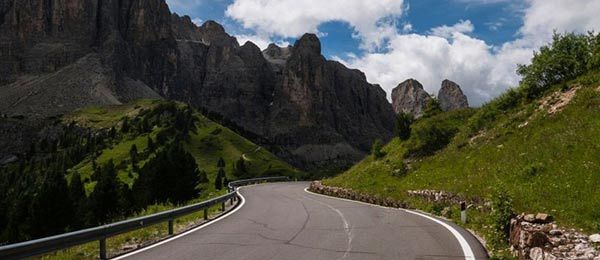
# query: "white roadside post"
x,y
463,212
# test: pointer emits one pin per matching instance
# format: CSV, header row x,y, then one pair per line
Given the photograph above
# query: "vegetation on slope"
x,y
536,144
108,163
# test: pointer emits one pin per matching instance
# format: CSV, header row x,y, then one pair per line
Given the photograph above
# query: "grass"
x,y
141,236
108,116
210,142
547,163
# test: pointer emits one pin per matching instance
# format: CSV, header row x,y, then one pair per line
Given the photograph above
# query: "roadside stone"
x,y
537,239
536,253
529,218
595,238
543,218
555,232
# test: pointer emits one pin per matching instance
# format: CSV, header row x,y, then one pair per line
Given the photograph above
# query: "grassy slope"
x,y
206,145
550,165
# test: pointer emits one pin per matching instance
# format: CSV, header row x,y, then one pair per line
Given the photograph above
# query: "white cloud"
x,y
483,71
373,21
197,21
446,31
394,53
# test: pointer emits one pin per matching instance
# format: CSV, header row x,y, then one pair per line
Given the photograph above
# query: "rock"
x,y
410,97
309,111
537,239
536,254
447,212
595,238
555,232
529,218
451,96
542,218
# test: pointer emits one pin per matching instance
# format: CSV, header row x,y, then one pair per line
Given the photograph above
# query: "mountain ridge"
x,y
77,53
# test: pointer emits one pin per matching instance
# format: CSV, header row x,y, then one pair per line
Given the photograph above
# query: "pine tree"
x,y
51,209
78,197
151,146
240,170
219,179
103,201
125,125
133,153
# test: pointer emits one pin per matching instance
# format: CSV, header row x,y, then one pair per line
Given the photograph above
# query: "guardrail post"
x,y
222,206
170,226
103,249
205,213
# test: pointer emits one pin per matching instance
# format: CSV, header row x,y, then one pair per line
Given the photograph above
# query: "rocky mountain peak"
x,y
410,97
308,43
451,96
214,33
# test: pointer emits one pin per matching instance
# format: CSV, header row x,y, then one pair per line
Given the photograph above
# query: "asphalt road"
x,y
283,221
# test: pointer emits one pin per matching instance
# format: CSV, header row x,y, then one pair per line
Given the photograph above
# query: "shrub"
x,y
568,56
429,138
432,108
376,149
533,169
400,170
502,212
403,123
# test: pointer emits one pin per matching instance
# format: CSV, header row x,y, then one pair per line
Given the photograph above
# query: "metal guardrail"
x,y
101,233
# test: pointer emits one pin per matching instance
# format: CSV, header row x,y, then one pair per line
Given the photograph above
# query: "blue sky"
x,y
496,22
476,43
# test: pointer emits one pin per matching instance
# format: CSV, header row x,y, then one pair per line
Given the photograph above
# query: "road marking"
x,y
242,202
466,248
347,227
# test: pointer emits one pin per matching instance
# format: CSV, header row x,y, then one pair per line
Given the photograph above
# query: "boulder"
x,y
595,238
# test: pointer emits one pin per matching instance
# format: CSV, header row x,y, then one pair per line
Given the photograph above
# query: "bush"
x,y
376,149
429,138
403,123
400,170
502,212
533,169
568,56
432,108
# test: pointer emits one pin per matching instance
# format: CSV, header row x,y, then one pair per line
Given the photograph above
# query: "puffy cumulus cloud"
x,y
431,59
447,31
483,71
373,21
544,16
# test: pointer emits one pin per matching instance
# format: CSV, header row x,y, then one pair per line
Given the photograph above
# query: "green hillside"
x,y
207,145
538,144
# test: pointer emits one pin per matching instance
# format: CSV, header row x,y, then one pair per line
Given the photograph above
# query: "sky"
x,y
476,43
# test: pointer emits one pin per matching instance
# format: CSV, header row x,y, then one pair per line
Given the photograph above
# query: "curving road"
x,y
283,221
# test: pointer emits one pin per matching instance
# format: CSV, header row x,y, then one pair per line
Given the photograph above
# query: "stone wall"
x,y
537,237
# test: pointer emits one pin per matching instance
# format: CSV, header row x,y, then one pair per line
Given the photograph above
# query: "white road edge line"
x,y
242,202
347,228
466,248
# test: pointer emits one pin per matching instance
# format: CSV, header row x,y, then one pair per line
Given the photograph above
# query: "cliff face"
x,y
59,55
63,54
410,97
451,96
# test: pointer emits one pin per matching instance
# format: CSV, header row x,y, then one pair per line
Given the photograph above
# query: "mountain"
x,y
410,97
61,55
451,96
